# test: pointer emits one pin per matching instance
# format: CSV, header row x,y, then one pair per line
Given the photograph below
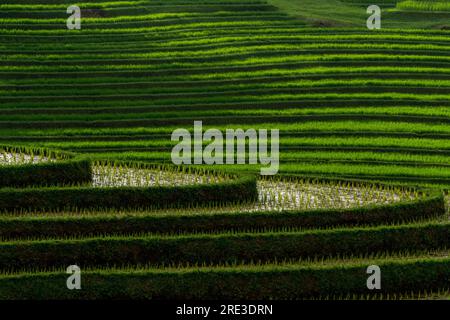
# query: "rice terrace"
x,y
356,116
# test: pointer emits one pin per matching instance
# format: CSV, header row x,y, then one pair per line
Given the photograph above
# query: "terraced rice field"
x,y
364,120
430,5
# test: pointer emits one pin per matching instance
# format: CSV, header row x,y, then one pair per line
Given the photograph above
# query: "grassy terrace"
x,y
356,110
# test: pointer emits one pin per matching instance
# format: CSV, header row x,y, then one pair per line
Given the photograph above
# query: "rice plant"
x,y
274,194
12,157
351,106
427,5
307,195
106,174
